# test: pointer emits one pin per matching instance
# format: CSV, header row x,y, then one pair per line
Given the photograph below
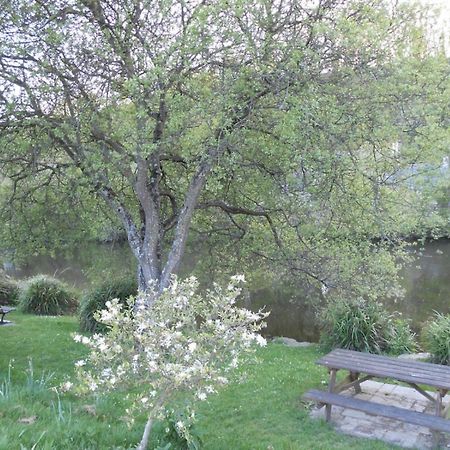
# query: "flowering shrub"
x,y
185,342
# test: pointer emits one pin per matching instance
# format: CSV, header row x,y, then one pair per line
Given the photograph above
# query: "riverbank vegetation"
x,y
364,326
47,296
436,337
263,410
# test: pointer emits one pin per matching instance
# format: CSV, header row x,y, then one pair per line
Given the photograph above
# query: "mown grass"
x,y
264,411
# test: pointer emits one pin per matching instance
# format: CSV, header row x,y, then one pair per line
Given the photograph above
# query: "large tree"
x,y
254,108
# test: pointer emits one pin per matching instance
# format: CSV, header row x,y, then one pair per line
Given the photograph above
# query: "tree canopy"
x,y
286,127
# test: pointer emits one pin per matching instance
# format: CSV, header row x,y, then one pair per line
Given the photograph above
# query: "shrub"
x,y
365,326
96,299
184,347
46,296
354,324
402,340
9,290
436,338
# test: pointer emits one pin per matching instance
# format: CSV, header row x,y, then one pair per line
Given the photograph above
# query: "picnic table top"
x,y
408,371
6,309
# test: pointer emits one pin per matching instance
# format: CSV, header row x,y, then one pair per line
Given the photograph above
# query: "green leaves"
x,y
316,116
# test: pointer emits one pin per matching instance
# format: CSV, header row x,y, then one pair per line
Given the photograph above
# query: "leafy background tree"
x,y
273,136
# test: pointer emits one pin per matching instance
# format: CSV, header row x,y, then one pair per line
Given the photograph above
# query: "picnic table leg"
x,y
438,411
3,316
353,377
330,389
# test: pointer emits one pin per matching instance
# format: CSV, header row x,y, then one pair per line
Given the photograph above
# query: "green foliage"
x,y
95,299
363,325
28,229
46,296
403,339
174,438
305,134
436,338
9,290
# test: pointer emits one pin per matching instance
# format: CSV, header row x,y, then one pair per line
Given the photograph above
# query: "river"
x,y
426,282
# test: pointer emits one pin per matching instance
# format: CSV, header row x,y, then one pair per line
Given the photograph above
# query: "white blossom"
x,y
159,351
238,278
66,386
152,366
260,340
192,346
222,380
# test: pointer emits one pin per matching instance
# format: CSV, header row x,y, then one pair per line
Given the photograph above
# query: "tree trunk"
x,y
142,282
147,285
145,437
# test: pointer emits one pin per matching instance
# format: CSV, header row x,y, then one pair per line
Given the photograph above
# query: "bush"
x,y
9,290
436,338
403,340
365,326
46,296
95,300
181,350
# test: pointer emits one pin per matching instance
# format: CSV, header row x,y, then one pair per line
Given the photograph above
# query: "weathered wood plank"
x,y
353,364
405,377
418,365
3,311
378,409
434,369
398,375
388,367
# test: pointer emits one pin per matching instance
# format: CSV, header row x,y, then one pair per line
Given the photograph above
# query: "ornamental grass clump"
x,y
185,345
365,326
356,324
436,338
46,296
402,339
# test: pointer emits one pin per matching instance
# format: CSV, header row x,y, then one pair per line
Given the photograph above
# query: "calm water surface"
x,y
426,281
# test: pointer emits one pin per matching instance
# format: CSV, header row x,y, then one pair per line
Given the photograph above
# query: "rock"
x,y
415,356
291,342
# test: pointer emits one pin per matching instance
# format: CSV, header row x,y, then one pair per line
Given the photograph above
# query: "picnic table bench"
x,y
3,311
370,366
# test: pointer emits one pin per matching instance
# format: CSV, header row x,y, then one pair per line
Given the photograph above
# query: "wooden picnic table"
x,y
364,366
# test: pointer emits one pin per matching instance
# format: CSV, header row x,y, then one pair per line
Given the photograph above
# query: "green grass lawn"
x,y
263,412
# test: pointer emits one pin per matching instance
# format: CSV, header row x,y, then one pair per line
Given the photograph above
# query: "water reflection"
x,y
426,281
292,312
87,265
